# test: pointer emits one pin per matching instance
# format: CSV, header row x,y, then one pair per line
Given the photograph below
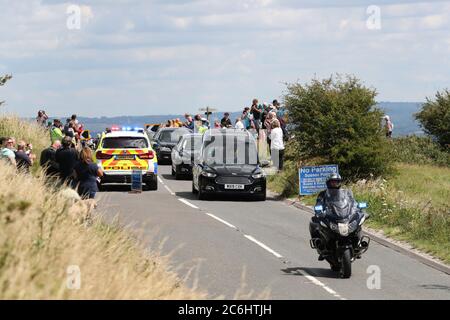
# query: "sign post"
x,y
313,179
136,181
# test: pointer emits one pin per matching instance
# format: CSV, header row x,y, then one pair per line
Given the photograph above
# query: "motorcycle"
x,y
339,240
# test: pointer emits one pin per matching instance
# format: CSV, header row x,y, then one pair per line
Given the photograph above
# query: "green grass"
x,y
412,205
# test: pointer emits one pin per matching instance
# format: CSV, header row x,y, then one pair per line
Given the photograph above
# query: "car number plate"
x,y
125,157
234,186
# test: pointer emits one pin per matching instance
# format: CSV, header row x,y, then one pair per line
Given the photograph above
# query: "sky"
x,y
130,57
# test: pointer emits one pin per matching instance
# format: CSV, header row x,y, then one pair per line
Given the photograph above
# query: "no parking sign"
x,y
313,179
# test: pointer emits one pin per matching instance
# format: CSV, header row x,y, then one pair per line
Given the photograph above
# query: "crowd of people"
x,y
268,117
65,161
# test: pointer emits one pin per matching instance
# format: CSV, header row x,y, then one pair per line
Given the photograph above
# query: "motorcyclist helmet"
x,y
334,181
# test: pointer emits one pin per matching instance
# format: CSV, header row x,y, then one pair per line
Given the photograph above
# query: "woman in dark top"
x,y
86,173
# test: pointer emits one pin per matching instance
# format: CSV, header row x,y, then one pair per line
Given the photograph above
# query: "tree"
x,y
3,80
338,123
434,117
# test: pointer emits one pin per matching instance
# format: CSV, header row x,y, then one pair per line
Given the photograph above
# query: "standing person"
x,y
55,132
74,118
6,151
268,123
189,122
239,124
388,126
245,118
41,118
48,159
217,124
256,110
277,144
67,158
23,161
226,122
86,173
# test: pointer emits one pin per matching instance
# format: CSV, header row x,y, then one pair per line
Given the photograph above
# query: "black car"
x,y
164,141
184,153
228,164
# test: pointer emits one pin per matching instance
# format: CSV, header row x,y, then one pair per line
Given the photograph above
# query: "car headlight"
x,y
165,149
258,175
208,174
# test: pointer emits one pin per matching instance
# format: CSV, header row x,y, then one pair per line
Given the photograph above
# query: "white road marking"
x,y
187,203
170,191
262,245
221,220
311,278
319,283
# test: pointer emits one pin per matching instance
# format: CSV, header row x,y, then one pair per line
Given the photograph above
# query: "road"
x,y
233,247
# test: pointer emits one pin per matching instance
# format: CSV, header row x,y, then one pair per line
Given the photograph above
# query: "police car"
x,y
122,150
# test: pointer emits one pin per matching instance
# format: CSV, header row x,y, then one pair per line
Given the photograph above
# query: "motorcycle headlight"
x,y
333,226
343,229
353,226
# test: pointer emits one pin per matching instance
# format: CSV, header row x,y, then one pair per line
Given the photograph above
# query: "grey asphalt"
x,y
212,256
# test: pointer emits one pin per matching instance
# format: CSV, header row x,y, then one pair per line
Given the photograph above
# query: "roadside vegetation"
x,y
46,237
408,195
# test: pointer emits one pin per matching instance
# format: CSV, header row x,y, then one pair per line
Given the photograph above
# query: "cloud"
x,y
179,54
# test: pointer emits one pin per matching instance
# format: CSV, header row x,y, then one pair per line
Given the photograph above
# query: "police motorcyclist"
x,y
334,182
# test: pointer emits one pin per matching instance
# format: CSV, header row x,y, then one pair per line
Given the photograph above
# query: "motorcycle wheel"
x,y
346,264
333,265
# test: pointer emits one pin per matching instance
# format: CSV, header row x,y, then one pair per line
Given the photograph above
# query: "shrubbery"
x,y
338,123
418,150
434,118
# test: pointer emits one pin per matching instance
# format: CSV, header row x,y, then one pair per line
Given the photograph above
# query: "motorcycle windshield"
x,y
340,204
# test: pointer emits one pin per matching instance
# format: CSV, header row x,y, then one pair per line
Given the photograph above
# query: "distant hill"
x,y
401,114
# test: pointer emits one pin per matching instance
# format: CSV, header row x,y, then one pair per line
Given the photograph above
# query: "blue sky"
x,y
167,56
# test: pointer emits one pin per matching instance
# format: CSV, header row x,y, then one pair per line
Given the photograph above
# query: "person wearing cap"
x,y
226,122
55,132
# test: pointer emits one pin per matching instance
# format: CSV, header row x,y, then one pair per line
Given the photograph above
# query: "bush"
x,y
434,118
419,150
338,122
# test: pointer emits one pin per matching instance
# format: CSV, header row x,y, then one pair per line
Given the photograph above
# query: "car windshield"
x,y
192,143
230,150
125,143
172,135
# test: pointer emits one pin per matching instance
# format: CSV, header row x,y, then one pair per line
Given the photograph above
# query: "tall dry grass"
x,y
50,243
43,233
